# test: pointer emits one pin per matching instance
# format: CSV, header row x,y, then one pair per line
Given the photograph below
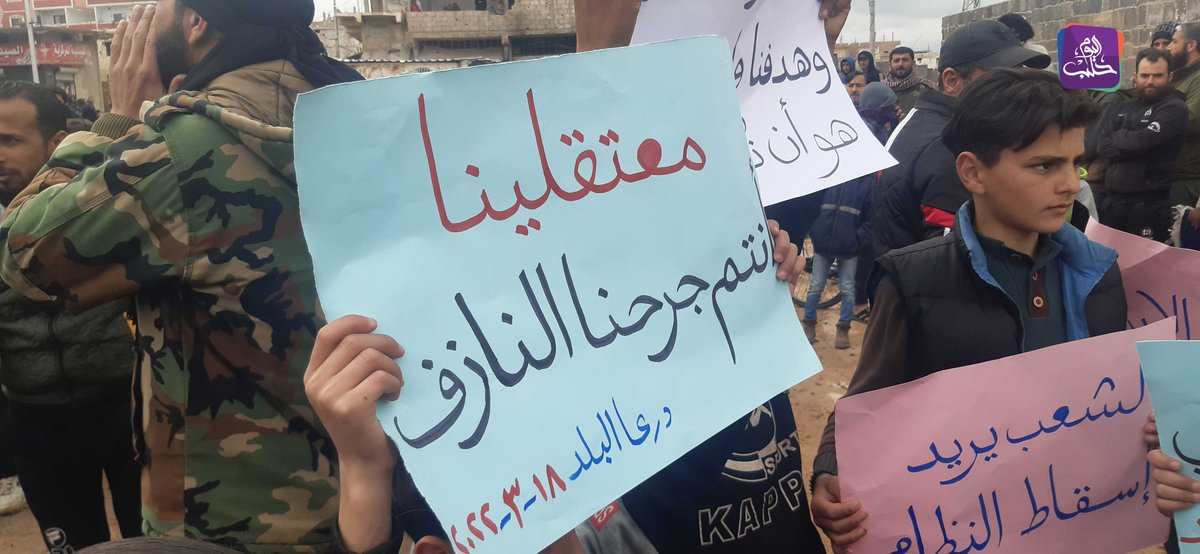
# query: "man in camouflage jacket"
x,y
193,211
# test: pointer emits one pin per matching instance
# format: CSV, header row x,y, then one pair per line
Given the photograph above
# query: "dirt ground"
x,y
812,401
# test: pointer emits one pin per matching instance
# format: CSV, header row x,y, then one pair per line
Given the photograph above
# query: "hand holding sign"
x,y
1176,492
1170,370
834,13
1039,452
568,375
840,519
803,132
350,370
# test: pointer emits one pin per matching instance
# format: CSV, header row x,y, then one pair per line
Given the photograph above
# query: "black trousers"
x,y
61,453
1146,216
8,468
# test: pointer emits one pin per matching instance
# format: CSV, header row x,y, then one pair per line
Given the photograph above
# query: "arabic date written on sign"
x,y
544,487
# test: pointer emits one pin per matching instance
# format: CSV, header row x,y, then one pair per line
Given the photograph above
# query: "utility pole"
x,y
33,61
871,6
337,33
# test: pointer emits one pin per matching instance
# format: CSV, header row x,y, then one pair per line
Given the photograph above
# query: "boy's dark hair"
x,y
1010,109
1151,55
1018,24
51,113
902,50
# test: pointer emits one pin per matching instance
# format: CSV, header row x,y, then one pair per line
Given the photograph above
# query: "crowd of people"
x,y
160,329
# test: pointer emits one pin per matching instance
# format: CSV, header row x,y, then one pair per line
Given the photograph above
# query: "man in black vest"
x,y
1010,277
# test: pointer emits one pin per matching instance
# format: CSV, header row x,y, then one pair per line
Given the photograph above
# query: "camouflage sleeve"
x,y
103,218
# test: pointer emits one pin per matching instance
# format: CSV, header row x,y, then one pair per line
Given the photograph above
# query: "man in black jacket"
x,y
1141,138
917,198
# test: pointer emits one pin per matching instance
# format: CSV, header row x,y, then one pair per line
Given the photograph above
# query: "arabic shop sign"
x,y
49,53
1040,452
1090,57
803,132
579,272
1170,368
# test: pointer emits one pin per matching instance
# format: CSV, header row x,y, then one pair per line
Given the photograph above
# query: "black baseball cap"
x,y
989,44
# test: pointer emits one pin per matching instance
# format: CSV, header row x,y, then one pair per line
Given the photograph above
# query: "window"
x,y
461,44
17,21
119,17
544,46
60,20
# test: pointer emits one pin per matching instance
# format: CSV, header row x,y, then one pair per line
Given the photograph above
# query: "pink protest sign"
x,y
1160,281
1040,452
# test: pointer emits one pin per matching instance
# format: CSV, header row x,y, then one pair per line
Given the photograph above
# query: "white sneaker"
x,y
12,498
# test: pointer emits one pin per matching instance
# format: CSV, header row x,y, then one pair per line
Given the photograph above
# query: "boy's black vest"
x,y
956,318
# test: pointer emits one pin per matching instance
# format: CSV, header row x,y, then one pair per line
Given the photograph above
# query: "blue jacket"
x,y
1083,264
844,225
959,314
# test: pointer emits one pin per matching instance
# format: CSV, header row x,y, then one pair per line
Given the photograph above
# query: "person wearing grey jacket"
x,y
66,378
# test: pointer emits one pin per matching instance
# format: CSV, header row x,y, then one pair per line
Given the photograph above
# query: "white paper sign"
x,y
804,133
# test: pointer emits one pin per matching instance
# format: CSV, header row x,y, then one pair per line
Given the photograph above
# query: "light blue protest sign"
x,y
573,254
1172,374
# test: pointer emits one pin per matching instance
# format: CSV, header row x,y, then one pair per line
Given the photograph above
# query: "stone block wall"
x,y
527,17
1135,18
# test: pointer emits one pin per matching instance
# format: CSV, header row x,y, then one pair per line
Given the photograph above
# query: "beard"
x,y
902,72
1179,61
1151,97
172,52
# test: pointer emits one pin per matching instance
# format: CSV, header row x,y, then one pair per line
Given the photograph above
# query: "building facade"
x,y
67,59
93,15
449,30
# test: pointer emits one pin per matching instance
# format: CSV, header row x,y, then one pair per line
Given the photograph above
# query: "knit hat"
x,y
877,95
1165,30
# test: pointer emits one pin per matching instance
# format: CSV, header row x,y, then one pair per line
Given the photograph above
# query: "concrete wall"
x,y
547,17
1135,18
458,34
336,39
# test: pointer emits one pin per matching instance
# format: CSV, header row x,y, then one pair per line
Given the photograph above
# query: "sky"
x,y
916,23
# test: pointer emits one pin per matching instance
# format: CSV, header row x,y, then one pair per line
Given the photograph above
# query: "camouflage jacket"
x,y
195,214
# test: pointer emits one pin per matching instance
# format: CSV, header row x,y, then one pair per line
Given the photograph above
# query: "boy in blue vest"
x,y
1010,277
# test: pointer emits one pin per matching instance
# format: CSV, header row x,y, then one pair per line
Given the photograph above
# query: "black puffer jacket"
x,y
952,300
51,357
917,198
1141,142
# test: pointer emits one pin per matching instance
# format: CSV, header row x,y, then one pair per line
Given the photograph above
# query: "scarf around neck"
x,y
906,83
